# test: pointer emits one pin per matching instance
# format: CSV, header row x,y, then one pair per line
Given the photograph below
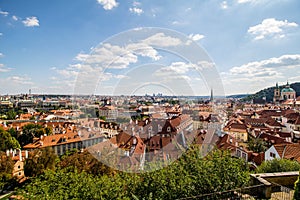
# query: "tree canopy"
x,y
256,145
39,161
190,175
30,131
7,141
278,165
6,167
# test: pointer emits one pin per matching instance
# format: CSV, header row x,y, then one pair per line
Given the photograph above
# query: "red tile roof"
x,y
289,151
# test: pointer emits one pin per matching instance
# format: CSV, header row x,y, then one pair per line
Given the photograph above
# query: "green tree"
x,y
278,165
6,168
48,131
7,141
297,189
102,117
30,131
84,161
39,161
189,176
256,145
13,132
11,114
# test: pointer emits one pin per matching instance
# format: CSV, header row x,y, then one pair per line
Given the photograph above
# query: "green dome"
x,y
288,90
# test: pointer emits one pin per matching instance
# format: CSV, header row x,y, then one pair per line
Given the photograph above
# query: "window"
x,y
272,155
19,166
169,129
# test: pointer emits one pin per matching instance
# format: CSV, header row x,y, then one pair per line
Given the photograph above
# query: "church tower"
x,y
288,92
277,94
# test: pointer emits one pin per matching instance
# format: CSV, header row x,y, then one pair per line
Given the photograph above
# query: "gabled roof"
x,y
227,142
289,151
236,127
272,139
272,122
292,116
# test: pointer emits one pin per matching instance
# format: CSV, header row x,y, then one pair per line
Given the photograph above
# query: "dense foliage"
x,y
39,161
31,131
190,175
256,145
278,165
269,93
297,189
6,166
7,141
83,161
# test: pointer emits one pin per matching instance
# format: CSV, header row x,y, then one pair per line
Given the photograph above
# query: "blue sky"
x,y
253,43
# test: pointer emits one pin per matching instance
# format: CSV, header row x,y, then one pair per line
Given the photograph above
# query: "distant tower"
x,y
211,95
277,94
29,91
288,92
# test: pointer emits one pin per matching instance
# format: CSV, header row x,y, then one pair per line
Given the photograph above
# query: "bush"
x,y
278,165
189,176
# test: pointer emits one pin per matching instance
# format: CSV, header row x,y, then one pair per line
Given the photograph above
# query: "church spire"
x,y
211,95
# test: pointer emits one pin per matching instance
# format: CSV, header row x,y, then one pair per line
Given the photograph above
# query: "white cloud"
x,y
4,69
196,37
179,23
3,13
1,34
270,66
136,10
101,64
15,18
255,2
31,21
224,5
271,28
20,80
1,55
111,56
256,75
108,4
177,68
144,50
161,40
15,84
81,57
246,1
117,57
182,68
136,4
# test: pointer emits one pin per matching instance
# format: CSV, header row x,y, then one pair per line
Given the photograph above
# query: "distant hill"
x,y
237,96
269,93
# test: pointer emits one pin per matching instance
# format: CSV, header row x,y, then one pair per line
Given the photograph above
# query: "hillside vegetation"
x,y
269,92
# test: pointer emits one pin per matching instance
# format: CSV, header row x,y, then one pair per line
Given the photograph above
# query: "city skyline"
x,y
252,43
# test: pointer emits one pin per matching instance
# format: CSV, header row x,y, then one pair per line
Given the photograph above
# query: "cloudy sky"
x,y
45,45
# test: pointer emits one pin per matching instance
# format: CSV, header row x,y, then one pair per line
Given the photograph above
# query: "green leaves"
x,y
278,165
256,145
7,141
39,161
189,176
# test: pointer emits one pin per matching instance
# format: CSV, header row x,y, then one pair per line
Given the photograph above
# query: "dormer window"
x,y
169,129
